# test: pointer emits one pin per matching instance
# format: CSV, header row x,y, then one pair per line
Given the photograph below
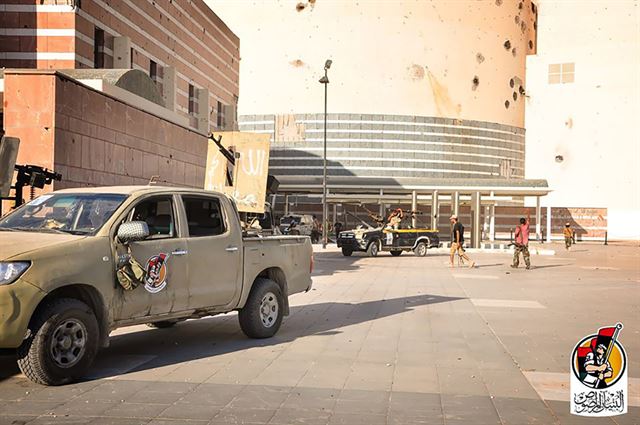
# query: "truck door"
x,y
163,256
215,251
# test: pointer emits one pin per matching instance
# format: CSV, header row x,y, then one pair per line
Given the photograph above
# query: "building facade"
x,y
581,119
186,49
417,89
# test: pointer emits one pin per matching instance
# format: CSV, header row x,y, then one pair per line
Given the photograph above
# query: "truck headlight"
x,y
10,271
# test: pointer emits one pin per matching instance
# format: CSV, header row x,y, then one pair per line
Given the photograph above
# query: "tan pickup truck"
x,y
76,264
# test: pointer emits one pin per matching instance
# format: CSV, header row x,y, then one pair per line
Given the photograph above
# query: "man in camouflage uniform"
x,y
522,243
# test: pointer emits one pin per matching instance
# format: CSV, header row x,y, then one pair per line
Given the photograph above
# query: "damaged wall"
x,y
438,58
582,131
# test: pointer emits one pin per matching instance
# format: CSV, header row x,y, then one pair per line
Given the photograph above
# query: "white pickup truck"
x,y
76,264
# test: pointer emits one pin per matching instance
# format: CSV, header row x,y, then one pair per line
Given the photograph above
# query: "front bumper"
x,y
18,301
352,243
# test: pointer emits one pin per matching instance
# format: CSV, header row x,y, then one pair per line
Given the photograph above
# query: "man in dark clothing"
x,y
457,240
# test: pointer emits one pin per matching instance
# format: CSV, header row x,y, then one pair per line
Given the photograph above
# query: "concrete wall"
x,y
93,139
389,57
591,122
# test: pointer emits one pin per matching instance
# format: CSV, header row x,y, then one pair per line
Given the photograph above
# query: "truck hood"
x,y
16,243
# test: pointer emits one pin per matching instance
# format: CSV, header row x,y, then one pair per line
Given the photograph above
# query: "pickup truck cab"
x,y
60,256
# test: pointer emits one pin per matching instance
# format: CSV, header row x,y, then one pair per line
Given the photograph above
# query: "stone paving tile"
x,y
415,402
464,409
517,411
29,407
259,397
234,416
312,399
136,410
190,411
357,419
57,420
286,416
82,408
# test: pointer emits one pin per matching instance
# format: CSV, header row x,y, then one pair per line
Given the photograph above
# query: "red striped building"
x,y
186,49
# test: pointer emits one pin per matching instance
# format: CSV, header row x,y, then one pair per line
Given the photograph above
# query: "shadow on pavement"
x,y
193,340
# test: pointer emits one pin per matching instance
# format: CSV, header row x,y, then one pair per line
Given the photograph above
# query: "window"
x,y
98,48
192,100
562,73
131,53
157,212
204,216
220,117
153,71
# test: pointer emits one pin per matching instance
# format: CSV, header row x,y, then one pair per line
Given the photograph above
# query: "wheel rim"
x,y
269,310
374,249
422,249
68,343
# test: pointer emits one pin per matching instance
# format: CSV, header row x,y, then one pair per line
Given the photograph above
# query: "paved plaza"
x,y
383,340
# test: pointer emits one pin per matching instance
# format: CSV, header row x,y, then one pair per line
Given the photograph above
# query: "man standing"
x,y
522,243
568,236
457,239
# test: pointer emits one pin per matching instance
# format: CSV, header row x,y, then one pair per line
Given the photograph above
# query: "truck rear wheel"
x,y
372,249
262,314
347,252
396,253
62,344
421,249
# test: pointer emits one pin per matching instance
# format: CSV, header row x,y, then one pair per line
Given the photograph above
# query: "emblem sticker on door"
x,y
156,277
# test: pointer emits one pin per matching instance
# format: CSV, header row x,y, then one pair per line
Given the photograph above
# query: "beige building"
x,y
582,109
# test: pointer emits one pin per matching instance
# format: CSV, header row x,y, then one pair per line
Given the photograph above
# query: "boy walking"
x,y
522,243
568,236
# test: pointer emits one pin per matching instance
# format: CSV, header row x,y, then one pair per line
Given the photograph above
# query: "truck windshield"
x,y
290,220
75,213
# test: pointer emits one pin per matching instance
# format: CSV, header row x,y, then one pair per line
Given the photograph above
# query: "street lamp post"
x,y
325,80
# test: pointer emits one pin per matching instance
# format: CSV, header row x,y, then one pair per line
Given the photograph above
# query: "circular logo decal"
x,y
597,362
156,278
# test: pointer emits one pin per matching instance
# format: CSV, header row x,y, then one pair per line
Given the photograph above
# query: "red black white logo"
x,y
599,374
156,278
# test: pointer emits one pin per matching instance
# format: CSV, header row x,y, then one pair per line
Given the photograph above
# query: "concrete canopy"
x,y
357,185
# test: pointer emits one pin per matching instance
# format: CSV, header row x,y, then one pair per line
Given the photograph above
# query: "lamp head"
x,y
324,80
327,64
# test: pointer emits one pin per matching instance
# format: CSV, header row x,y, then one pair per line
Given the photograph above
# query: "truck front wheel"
x,y
347,252
62,344
372,249
262,314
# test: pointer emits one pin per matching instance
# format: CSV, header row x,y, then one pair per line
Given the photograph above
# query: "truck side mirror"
x,y
133,231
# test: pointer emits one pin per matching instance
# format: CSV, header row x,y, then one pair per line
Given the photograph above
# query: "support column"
x,y
414,207
455,203
286,204
335,213
492,222
548,224
435,209
381,209
538,219
475,220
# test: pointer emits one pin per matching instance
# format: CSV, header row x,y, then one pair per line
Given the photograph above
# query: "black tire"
x,y
421,249
295,232
164,324
373,249
347,252
396,253
251,316
35,355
